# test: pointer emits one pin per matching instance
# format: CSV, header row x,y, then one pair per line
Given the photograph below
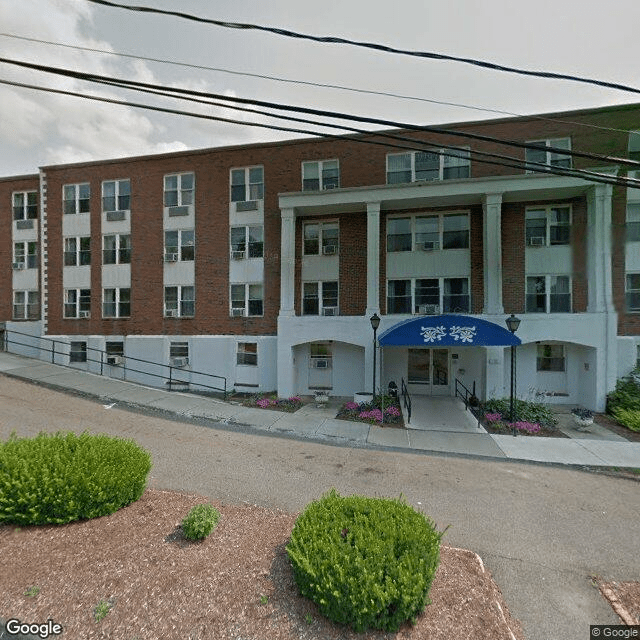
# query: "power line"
x,y
260,76
589,176
109,80
372,45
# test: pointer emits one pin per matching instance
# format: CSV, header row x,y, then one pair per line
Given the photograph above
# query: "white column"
x,y
492,253
599,248
287,261
373,258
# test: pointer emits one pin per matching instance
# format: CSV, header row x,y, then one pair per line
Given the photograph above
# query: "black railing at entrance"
x,y
464,393
406,399
175,378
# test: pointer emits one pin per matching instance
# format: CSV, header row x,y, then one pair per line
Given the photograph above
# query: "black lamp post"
x,y
375,323
512,324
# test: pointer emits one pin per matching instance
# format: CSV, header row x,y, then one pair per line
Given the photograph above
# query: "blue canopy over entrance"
x,y
450,330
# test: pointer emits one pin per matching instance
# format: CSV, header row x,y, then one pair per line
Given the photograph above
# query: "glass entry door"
x,y
428,371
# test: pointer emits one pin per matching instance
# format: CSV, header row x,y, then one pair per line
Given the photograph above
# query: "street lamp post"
x,y
512,324
375,323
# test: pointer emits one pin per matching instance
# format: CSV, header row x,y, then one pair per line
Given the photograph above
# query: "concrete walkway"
x,y
437,424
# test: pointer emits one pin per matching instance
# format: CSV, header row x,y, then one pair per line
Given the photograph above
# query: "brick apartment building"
x,y
263,263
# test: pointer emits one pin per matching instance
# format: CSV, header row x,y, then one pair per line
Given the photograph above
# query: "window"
x,y
321,175
179,245
116,195
320,354
247,184
178,190
548,294
116,303
547,156
25,205
321,238
320,298
247,237
116,249
632,291
179,353
428,233
77,251
76,198
246,300
179,301
78,352
634,145
247,353
26,305
77,303
548,226
114,348
633,222
438,164
26,254
550,357
428,296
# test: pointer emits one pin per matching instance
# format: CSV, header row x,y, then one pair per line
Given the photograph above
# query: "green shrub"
x,y
366,562
629,418
62,477
625,396
533,412
200,521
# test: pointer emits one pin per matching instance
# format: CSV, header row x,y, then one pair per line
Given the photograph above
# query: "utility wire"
x,y
308,83
372,45
592,177
318,112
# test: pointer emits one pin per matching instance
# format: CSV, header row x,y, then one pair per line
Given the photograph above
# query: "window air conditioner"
x,y
537,241
171,313
329,250
171,257
235,313
429,309
84,314
430,245
18,266
329,311
179,362
320,363
115,360
237,255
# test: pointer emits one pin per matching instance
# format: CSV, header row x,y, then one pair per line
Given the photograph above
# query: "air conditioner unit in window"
x,y
171,257
429,309
237,255
171,313
330,250
430,245
84,314
235,313
537,241
179,362
18,266
115,360
329,311
320,363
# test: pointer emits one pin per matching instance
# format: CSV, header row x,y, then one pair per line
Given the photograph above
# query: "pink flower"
x,y
529,427
351,405
492,417
392,411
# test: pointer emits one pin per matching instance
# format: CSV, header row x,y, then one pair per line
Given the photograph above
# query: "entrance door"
x,y
428,371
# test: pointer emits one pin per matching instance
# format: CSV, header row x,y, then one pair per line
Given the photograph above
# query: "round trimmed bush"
x,y
62,477
366,562
200,521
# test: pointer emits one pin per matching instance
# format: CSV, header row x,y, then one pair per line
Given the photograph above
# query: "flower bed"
x,y
495,422
266,401
371,412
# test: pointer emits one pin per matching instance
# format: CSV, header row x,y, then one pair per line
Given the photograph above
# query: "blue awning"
x,y
449,330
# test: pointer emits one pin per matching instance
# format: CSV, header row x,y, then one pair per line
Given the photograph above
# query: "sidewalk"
x,y
456,435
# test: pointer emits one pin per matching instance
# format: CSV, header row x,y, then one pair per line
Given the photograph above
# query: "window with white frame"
x,y
247,353
179,301
76,198
116,302
179,189
25,205
548,294
77,251
116,249
437,164
428,295
633,222
114,348
320,238
179,245
247,242
548,226
550,357
116,195
25,254
179,353
547,155
320,175
26,305
428,232
246,299
77,303
247,184
78,351
320,298
320,355
632,291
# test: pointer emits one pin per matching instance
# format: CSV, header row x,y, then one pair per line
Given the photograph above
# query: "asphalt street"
x,y
541,530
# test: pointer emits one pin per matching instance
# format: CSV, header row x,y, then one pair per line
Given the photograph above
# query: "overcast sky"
x,y
579,37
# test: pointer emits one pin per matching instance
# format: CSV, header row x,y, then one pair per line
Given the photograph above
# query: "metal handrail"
x,y
170,381
467,394
406,399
